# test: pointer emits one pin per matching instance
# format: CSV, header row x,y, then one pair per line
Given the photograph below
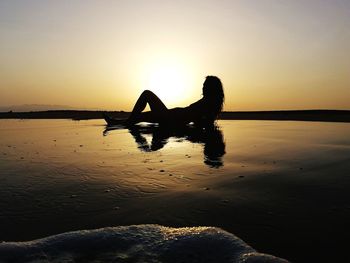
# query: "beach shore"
x,y
282,187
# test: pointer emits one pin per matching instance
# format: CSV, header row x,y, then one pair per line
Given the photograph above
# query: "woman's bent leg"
x,y
156,105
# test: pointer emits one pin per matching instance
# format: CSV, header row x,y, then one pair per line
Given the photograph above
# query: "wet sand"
x,y
282,187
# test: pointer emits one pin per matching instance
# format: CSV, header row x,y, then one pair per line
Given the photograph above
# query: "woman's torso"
x,y
196,112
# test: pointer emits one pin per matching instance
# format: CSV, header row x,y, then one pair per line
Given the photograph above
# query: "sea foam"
x,y
136,243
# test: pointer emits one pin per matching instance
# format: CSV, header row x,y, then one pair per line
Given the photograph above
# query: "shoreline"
x,y
281,186
285,115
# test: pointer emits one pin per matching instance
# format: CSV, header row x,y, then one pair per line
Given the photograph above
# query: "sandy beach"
x,y
282,187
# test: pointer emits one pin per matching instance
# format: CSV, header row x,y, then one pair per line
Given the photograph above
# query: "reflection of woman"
x,y
203,112
211,138
214,148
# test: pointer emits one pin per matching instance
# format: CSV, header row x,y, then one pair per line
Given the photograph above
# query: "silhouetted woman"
x,y
202,113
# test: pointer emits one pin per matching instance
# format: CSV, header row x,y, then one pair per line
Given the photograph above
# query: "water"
x,y
280,186
141,243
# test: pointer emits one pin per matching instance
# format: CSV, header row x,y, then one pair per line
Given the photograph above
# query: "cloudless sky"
x,y
269,54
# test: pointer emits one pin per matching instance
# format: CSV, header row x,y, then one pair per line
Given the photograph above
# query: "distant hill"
x,y
285,115
37,107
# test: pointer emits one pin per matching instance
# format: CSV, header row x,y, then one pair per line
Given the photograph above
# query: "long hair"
x,y
213,92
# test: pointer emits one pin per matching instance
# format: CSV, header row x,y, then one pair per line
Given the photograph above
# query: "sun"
x,y
169,81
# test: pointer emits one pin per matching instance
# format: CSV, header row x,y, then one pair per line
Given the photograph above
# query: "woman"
x,y
202,113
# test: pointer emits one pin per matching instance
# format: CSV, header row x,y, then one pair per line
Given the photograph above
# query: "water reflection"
x,y
211,139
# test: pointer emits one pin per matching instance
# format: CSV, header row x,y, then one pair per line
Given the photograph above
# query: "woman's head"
x,y
213,92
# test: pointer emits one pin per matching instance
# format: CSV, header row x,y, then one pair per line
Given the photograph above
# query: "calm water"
x,y
283,187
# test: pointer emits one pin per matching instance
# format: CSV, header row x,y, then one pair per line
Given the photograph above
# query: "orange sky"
x,y
269,54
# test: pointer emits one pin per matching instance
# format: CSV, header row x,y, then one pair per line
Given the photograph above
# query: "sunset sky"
x,y
269,54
